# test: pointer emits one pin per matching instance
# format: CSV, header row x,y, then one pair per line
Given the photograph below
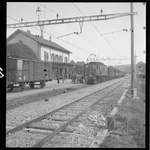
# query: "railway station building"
x,y
44,50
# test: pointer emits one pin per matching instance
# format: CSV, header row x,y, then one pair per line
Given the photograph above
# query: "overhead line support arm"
x,y
68,20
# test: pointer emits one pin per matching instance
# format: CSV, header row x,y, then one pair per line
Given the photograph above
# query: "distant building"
x,y
44,50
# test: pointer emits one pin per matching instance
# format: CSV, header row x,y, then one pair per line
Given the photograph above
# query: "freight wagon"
x,y
22,71
23,67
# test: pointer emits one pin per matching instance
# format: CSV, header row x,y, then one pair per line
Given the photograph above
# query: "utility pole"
x,y
132,49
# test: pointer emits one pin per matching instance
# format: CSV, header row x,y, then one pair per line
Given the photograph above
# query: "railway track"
x,y
57,121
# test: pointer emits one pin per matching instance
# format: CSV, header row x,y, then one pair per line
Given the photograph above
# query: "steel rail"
x,y
61,128
20,127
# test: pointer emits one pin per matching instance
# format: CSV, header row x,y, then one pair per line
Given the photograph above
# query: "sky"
x,y
104,39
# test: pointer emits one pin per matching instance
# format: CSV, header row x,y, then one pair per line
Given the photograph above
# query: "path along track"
x,y
58,120
16,102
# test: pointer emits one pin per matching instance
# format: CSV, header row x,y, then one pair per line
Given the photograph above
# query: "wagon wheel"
x,y
22,86
31,84
42,84
11,87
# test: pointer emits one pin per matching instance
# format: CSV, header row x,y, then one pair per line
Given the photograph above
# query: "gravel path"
x,y
17,102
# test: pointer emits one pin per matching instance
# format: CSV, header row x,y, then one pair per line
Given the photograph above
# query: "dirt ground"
x,y
129,130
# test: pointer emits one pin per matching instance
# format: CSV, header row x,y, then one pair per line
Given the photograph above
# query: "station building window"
x,y
65,59
60,59
56,58
46,58
52,57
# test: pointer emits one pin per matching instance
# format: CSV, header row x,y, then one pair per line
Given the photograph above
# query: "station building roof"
x,y
20,50
40,40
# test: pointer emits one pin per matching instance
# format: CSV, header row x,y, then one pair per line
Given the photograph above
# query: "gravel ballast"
x,y
30,111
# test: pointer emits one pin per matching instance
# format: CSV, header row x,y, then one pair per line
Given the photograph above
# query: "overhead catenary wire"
x,y
100,34
66,42
77,33
17,20
58,38
113,32
57,14
97,30
12,18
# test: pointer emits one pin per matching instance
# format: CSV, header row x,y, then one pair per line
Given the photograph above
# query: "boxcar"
x,y
23,66
21,71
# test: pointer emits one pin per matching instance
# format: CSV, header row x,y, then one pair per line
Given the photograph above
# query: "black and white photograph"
x,y
75,74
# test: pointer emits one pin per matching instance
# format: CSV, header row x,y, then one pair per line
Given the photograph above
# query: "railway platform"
x,y
49,87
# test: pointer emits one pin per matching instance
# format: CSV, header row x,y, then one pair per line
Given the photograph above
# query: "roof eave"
x,y
54,47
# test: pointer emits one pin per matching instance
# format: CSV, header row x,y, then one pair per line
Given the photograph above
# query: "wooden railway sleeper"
x,y
46,115
66,114
40,129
